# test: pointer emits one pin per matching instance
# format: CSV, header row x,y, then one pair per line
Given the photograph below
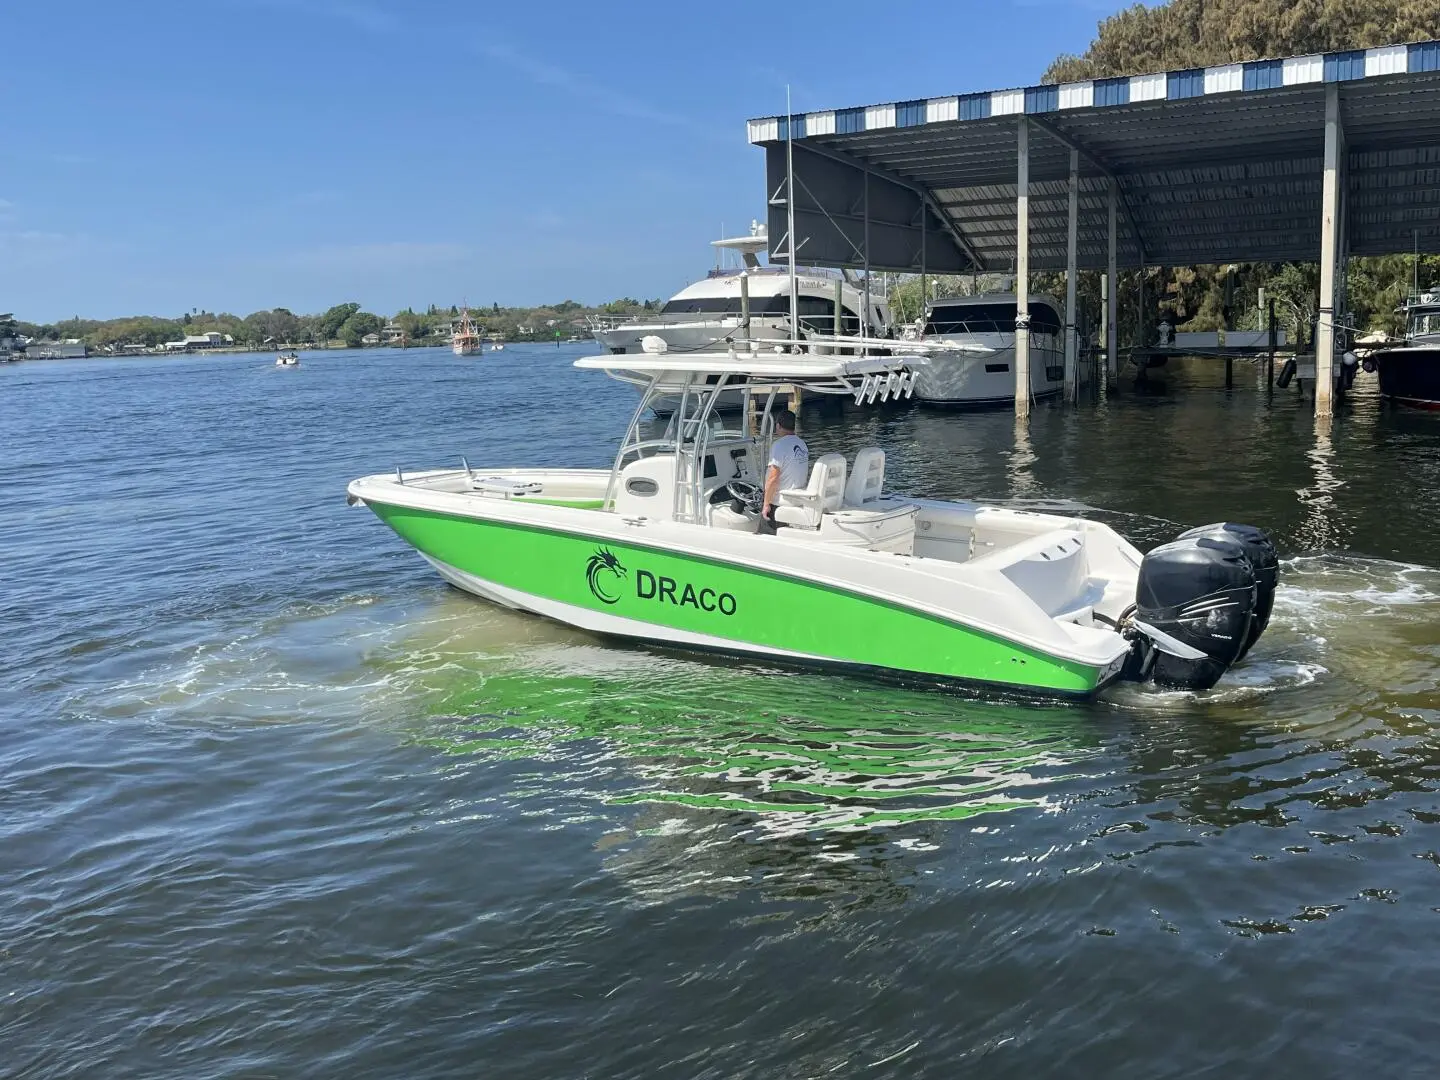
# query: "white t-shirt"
x,y
792,457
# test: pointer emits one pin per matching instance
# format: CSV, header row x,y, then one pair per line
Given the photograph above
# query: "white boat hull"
x,y
962,379
1019,619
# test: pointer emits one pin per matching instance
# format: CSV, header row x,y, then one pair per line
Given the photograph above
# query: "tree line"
x,y
345,323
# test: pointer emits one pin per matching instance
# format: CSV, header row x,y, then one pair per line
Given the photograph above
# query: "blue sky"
x,y
243,154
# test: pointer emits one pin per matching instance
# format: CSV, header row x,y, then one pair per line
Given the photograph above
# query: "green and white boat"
x,y
662,548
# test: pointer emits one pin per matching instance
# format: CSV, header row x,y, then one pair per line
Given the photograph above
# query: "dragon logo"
x,y
603,562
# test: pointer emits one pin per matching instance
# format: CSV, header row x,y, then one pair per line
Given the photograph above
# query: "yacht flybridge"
x,y
662,547
752,301
739,305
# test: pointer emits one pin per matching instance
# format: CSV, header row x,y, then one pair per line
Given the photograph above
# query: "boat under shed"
x,y
1307,158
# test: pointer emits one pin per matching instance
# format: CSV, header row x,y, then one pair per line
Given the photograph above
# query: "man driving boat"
x,y
788,467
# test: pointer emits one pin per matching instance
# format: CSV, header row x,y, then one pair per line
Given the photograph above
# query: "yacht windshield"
x,y
1425,323
816,312
996,318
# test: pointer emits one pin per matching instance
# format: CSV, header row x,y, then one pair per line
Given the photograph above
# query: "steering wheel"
x,y
742,491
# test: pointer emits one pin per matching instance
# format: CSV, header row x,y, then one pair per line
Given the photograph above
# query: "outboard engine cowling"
x,y
1195,601
1260,550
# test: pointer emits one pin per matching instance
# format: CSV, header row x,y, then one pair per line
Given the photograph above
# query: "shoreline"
x,y
151,354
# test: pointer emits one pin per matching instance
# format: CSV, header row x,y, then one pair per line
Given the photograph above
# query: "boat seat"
x,y
723,517
802,508
891,529
867,477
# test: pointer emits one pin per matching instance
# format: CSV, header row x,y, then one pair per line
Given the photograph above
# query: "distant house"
x,y
211,339
370,339
391,333
56,350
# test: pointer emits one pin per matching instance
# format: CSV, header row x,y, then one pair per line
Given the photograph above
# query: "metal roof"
x,y
1219,164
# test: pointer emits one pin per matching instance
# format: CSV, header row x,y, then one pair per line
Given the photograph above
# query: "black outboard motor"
x,y
1195,602
1263,558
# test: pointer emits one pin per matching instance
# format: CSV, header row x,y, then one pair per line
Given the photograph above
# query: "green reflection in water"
x,y
804,751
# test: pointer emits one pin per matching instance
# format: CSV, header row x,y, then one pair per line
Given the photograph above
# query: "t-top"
x,y
792,457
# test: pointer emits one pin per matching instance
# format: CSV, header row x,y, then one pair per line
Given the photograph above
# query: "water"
x,y
275,802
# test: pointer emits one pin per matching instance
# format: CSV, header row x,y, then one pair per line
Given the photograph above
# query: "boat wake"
x,y
1342,624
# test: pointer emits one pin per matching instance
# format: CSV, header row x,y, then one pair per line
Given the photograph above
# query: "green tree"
x,y
354,328
1199,33
327,326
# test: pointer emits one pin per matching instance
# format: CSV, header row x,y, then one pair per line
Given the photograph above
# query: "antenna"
x,y
790,215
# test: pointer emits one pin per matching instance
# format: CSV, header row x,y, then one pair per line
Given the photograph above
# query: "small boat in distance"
x,y
287,359
465,338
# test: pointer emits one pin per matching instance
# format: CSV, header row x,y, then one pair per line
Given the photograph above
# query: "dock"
x,y
1308,158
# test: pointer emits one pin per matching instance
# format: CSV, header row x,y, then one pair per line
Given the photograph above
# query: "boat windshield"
x,y
713,423
1425,322
817,313
991,318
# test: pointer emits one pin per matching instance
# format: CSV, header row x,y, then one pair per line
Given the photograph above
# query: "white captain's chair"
x,y
867,478
803,507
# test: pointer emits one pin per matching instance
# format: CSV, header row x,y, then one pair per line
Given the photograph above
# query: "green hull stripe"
x,y
748,606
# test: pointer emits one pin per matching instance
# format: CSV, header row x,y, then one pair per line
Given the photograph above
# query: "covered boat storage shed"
x,y
1308,158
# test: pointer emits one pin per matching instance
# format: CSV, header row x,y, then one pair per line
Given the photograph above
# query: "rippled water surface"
x,y
275,802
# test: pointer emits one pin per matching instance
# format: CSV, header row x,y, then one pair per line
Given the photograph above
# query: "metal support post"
x,y
1141,342
745,306
1112,303
865,327
924,281
1274,337
1102,339
1330,214
1022,272
1072,377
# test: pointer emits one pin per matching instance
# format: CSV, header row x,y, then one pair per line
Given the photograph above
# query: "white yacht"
x,y
751,302
984,373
